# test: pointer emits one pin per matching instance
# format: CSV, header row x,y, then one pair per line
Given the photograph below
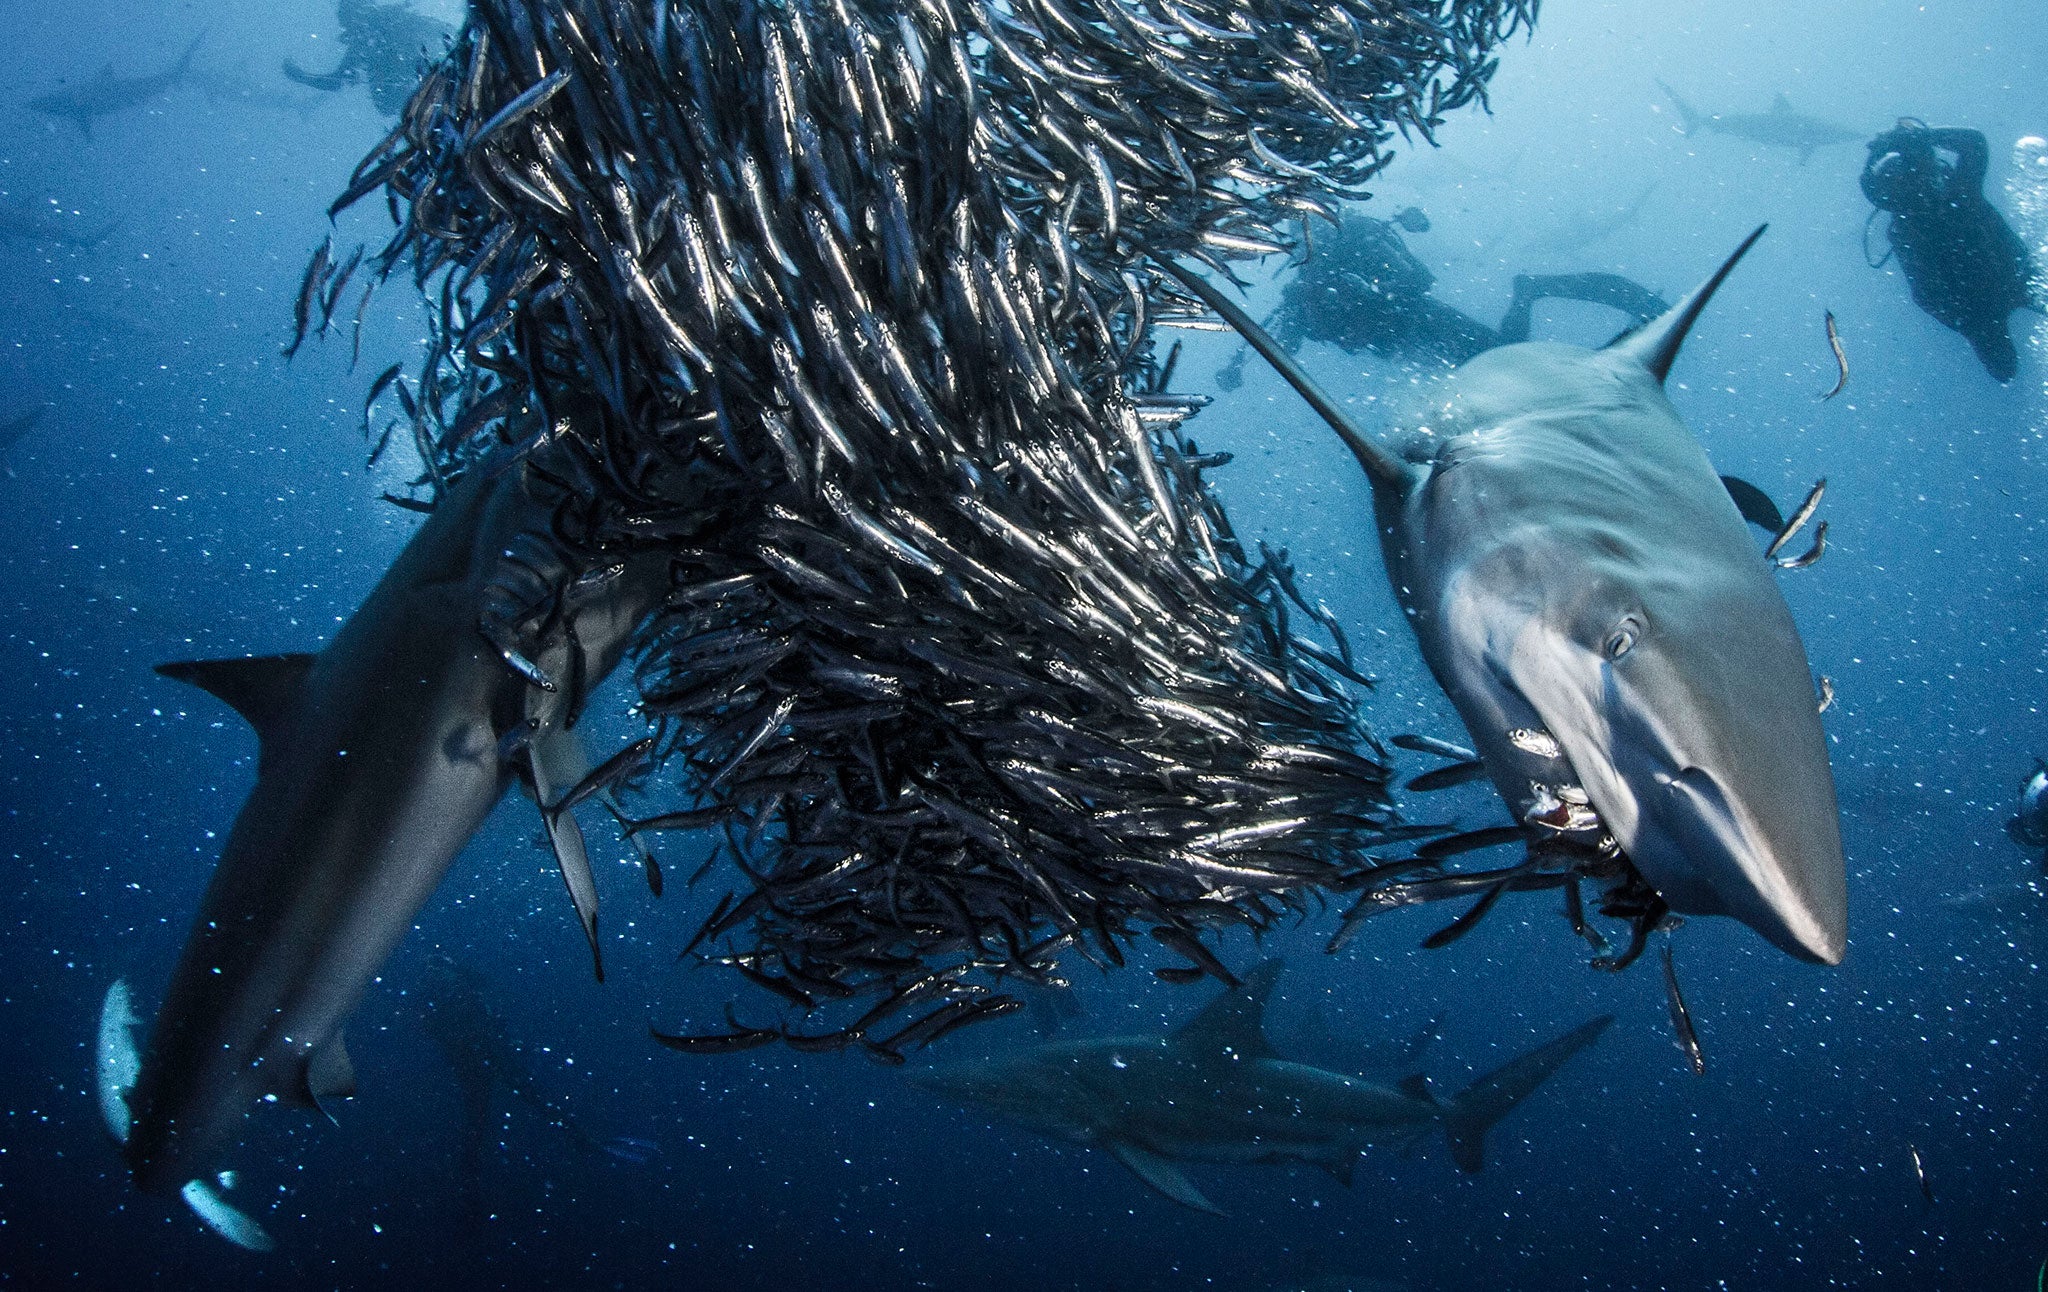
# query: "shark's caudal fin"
x,y
116,1063
1688,119
1655,345
1479,1107
1381,465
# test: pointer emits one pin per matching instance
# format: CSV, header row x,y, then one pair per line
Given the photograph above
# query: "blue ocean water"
x,y
190,494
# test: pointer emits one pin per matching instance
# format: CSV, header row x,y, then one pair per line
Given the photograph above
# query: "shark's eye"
x,y
1622,640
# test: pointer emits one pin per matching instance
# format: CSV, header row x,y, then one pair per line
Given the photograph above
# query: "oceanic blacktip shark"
x,y
1214,1091
1584,590
380,757
108,93
1781,127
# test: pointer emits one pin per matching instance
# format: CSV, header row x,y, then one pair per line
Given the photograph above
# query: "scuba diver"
x,y
382,47
1367,291
1966,266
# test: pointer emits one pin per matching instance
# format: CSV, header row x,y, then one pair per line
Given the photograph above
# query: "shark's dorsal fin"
x,y
1382,466
1781,103
260,688
1655,344
1235,1021
1162,1175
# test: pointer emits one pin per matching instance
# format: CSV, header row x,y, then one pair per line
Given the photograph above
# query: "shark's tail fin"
x,y
1688,119
1479,1107
184,64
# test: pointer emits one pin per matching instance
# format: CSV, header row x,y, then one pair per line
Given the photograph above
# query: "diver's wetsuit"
x,y
382,46
1966,266
1367,291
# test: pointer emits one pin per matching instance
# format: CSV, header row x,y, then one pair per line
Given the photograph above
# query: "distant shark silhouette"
x,y
1585,591
1213,1090
13,431
107,93
1589,227
1781,127
477,1044
380,757
25,224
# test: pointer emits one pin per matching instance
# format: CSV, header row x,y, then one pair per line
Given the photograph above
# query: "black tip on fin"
x,y
1656,344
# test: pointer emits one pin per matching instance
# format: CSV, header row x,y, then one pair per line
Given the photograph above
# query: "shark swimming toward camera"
x,y
379,758
107,93
1213,1090
1781,127
1585,591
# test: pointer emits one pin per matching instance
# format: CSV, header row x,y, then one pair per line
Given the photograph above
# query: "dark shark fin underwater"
x,y
558,765
1655,345
1163,1175
261,688
1479,1107
1235,1022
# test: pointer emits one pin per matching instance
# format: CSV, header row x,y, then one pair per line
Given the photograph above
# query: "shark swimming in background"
x,y
485,1061
107,93
1588,227
379,758
22,223
1585,590
1781,127
13,431
1214,1090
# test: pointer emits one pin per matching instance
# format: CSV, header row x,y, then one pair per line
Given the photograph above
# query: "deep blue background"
x,y
189,494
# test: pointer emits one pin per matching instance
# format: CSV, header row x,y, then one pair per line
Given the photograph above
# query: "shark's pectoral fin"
x,y
558,762
566,837
217,1214
1162,1175
260,688
1754,504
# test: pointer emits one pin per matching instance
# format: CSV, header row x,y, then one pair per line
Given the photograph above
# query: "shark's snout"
x,y
1776,879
